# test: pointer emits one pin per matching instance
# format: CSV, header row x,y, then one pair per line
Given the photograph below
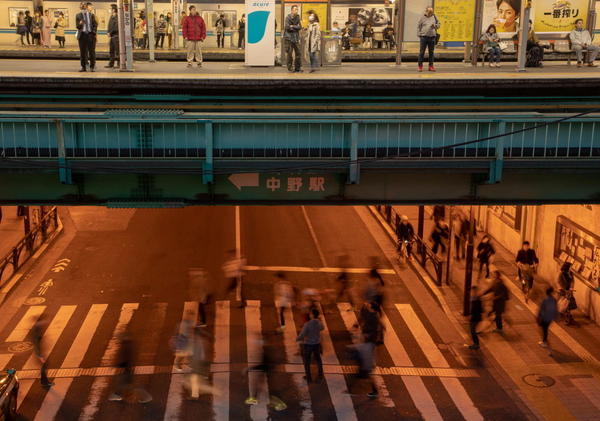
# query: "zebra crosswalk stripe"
x,y
53,400
255,350
22,329
84,336
221,354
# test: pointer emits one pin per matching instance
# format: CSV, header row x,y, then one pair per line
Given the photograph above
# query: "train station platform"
x,y
359,79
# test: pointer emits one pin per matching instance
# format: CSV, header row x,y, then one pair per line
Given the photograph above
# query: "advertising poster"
x,y
378,17
55,12
13,15
320,9
457,18
414,10
505,16
559,15
260,32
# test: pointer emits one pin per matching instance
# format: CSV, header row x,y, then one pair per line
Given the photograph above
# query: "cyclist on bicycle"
x,y
405,233
526,262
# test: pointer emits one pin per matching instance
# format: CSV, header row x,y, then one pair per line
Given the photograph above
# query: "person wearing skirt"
x,y
46,28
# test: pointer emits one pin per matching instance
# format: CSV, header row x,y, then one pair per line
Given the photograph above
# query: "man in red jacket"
x,y
194,32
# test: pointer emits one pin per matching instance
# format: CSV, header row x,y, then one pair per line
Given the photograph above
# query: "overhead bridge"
x,y
175,157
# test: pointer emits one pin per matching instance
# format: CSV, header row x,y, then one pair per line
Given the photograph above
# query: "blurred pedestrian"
x,y
439,212
476,311
500,297
439,236
284,297
371,335
310,336
373,292
37,339
343,279
199,364
374,272
485,252
181,342
465,227
547,314
311,298
125,362
201,292
456,231
233,268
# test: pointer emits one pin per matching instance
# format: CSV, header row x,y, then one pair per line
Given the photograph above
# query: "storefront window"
x,y
575,244
510,215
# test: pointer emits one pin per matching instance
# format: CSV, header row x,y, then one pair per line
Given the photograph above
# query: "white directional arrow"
x,y
244,180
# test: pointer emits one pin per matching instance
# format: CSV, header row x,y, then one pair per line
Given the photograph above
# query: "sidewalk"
x,y
564,385
11,229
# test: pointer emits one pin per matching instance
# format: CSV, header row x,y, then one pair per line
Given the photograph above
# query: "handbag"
x,y
437,34
503,45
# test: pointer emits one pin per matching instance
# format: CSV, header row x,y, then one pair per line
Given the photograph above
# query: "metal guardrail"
x,y
28,245
428,259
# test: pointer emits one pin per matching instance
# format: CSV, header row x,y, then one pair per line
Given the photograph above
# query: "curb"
x,y
13,282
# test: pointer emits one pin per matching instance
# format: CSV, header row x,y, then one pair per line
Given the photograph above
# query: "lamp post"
x,y
523,35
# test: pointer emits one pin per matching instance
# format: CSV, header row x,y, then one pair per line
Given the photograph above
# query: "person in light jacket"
x,y
47,22
427,31
59,29
582,40
313,41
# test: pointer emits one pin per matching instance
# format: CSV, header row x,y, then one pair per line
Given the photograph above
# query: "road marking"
x,y
350,320
221,353
415,386
53,400
292,354
22,329
315,270
314,236
24,387
51,335
154,323
4,360
44,286
254,344
101,383
435,357
84,336
175,396
590,387
342,402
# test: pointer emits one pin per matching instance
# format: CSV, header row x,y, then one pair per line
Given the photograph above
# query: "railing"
x,y
179,137
28,245
428,259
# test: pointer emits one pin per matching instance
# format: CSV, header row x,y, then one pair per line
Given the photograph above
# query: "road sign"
x,y
244,180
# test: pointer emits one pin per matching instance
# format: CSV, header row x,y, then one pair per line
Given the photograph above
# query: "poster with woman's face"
x,y
504,14
378,17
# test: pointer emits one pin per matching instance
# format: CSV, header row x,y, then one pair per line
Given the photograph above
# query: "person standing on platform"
x,y
194,31
87,27
161,31
36,29
582,40
220,28
313,43
427,32
59,29
46,28
21,28
242,32
113,37
29,25
169,32
292,38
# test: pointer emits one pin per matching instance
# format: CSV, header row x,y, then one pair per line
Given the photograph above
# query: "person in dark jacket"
x,y
526,263
565,278
242,32
112,31
547,314
485,251
310,336
291,36
501,295
29,26
220,30
476,310
87,27
440,235
37,339
405,233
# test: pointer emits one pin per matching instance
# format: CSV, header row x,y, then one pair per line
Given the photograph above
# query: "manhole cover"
x,y
538,380
34,301
20,347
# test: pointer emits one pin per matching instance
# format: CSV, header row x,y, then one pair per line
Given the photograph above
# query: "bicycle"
x,y
526,273
404,250
565,305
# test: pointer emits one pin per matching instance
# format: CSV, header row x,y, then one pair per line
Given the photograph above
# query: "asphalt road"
x,y
130,267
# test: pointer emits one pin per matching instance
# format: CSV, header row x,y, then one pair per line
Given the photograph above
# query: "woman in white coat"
x,y
313,41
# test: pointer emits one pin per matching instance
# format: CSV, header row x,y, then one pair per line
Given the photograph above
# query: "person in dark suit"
x,y
113,36
87,26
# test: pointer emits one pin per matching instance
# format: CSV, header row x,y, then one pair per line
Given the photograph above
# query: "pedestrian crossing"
x,y
75,335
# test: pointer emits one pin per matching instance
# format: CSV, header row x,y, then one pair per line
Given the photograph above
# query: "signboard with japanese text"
x,y
559,15
260,33
457,18
177,6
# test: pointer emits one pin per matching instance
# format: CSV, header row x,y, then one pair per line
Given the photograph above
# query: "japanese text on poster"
x,y
457,18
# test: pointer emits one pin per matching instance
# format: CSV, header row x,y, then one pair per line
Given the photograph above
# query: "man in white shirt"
x,y
582,40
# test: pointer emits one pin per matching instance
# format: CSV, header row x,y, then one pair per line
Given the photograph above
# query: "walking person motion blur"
x,y
198,378
527,262
125,387
547,314
310,336
314,41
87,26
500,297
344,282
439,236
292,39
485,253
194,32
112,31
476,311
233,268
258,379
181,342
427,31
284,297
37,339
566,302
374,272
405,234
201,292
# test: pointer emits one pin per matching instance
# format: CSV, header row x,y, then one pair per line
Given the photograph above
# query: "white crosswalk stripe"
x,y
221,355
257,380
22,329
455,389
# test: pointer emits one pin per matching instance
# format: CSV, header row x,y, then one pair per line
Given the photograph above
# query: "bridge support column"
x,y
354,173
207,166
64,172
497,165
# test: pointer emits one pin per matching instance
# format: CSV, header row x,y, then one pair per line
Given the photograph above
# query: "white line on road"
x,y
22,329
415,386
314,236
4,360
435,357
51,335
53,400
24,387
254,344
221,353
175,396
101,383
84,336
350,321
